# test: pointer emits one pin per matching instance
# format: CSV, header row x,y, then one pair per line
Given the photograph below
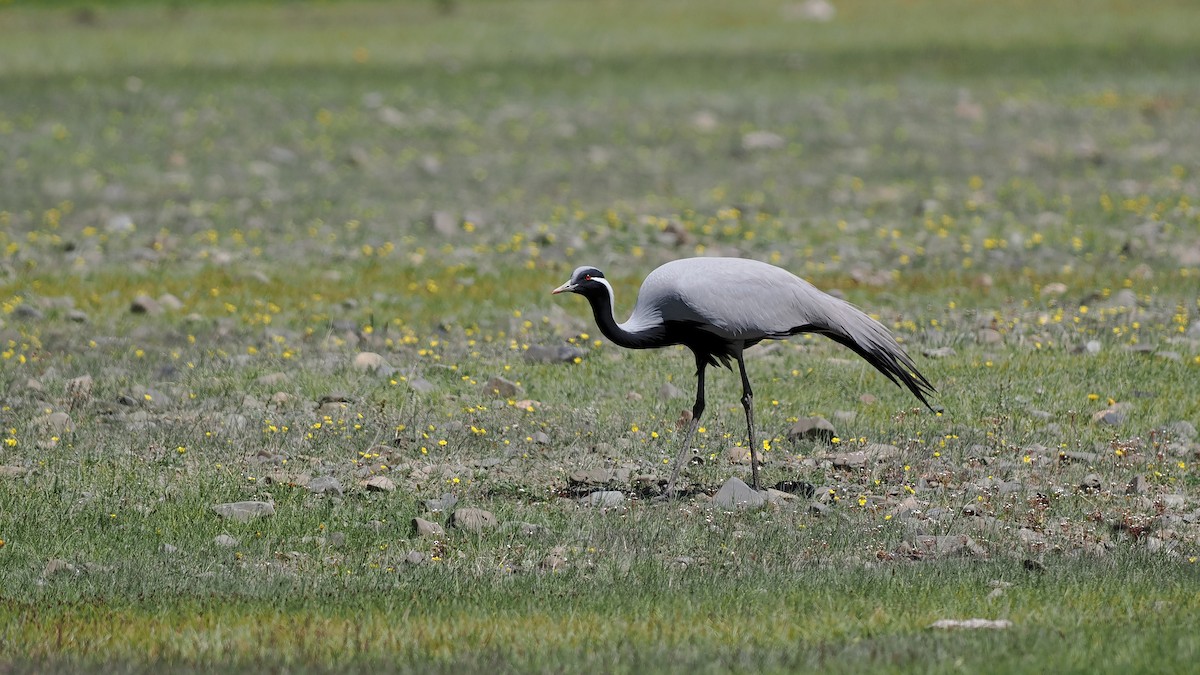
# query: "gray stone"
x,y
812,428
1137,485
473,520
1078,456
225,541
1175,502
1090,483
669,391
28,313
817,508
944,546
421,385
440,504
762,140
144,304
1031,538
58,566
587,477
1182,429
427,529
605,498
1092,347
168,549
850,461
415,558
325,485
939,353
735,494
80,388
379,484
989,336
57,423
971,624
370,362
499,386
244,511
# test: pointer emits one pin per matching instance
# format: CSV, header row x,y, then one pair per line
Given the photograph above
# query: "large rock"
x,y
735,494
473,520
499,386
244,511
812,429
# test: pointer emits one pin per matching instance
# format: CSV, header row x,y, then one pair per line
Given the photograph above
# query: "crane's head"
x,y
584,281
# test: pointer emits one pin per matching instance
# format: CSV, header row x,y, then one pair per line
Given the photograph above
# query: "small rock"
x,y
7,471
57,423
428,529
77,316
379,484
59,566
735,494
812,428
939,353
738,455
1092,347
554,560
1031,538
325,485
421,385
272,379
762,140
669,391
415,558
1182,429
80,388
1137,485
144,304
779,496
850,461
1109,416
1053,289
955,545
28,312
605,499
1174,502
541,438
1090,483
440,504
499,386
971,624
989,336
819,509
244,511
473,520
225,541
370,362
168,549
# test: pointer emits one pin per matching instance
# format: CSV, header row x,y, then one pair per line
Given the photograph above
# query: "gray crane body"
x,y
718,307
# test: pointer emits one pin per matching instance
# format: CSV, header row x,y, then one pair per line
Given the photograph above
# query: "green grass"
x,y
279,169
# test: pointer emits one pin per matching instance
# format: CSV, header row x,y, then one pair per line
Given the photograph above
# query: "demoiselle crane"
x,y
718,307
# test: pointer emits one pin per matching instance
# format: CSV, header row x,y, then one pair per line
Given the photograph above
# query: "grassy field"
x,y
214,216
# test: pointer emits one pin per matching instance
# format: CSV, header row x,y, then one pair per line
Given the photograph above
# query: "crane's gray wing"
x,y
748,300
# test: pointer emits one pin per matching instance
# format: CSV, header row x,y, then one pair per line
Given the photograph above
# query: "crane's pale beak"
x,y
562,289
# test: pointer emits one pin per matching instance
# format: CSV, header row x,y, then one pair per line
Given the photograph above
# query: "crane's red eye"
x,y
587,277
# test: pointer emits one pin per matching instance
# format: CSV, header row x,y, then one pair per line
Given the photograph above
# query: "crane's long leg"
x,y
697,411
748,404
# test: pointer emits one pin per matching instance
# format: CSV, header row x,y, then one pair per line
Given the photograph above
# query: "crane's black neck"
x,y
602,308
